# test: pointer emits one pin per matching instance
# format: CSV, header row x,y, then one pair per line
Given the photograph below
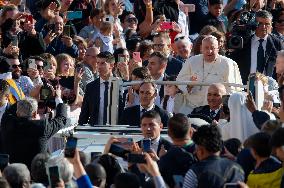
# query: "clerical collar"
x,y
147,109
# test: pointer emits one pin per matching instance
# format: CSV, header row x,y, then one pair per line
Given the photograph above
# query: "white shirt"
x,y
2,110
170,104
222,70
101,109
155,144
254,48
147,109
158,98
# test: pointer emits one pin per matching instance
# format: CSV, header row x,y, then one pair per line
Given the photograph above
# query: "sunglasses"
x,y
39,67
129,20
16,66
179,38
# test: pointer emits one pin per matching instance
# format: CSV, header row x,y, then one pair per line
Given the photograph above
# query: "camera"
x,y
46,92
241,31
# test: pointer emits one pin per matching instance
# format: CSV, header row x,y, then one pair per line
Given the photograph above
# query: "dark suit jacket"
x,y
174,66
131,116
23,138
91,104
134,169
205,110
90,107
243,57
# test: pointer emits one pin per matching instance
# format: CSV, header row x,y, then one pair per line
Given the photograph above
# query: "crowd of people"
x,y
57,58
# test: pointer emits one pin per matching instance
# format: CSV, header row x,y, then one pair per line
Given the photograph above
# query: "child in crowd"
x,y
169,95
104,38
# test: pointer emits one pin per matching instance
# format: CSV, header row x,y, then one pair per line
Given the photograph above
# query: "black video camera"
x,y
242,29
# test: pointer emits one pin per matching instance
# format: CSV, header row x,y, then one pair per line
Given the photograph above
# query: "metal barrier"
x,y
117,84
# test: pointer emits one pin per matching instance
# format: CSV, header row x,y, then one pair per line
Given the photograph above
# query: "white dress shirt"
x,y
254,48
101,109
147,109
171,104
2,110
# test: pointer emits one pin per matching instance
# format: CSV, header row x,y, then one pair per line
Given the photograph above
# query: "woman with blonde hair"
x,y
65,65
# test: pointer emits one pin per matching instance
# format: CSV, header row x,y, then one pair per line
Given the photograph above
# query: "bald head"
x,y
214,95
91,56
59,24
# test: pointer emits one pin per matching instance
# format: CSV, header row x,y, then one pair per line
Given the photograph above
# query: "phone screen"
x,y
54,176
136,158
4,160
119,151
136,56
146,145
251,85
66,30
70,147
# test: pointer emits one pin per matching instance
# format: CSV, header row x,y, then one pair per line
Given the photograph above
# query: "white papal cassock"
x,y
223,69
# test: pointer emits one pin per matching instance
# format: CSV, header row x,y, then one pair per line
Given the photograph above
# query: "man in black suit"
x,y
94,107
259,53
157,66
162,43
214,99
151,126
147,94
23,136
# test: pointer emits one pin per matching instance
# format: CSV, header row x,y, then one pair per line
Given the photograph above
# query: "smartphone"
x,y
136,158
225,99
146,145
119,151
4,161
178,179
166,25
251,85
78,67
14,41
32,64
66,30
276,105
70,147
71,15
189,7
121,58
231,185
29,18
53,176
136,56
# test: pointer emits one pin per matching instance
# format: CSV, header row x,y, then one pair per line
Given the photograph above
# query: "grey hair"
x,y
263,14
220,87
66,169
17,175
210,38
26,107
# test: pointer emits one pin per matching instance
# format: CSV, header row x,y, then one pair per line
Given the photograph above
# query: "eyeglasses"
x,y
179,38
39,67
16,66
129,20
263,24
159,45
